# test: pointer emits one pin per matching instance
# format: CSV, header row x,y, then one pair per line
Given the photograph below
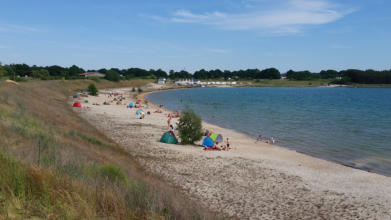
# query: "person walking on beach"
x,y
169,120
171,130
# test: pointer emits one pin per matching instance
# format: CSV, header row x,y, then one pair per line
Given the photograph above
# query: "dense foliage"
x,y
190,127
17,71
92,90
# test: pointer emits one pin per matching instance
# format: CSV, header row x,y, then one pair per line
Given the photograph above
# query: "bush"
x,y
92,90
133,89
112,75
112,173
190,127
140,90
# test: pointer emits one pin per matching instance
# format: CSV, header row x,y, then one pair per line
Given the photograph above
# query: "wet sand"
x,y
252,181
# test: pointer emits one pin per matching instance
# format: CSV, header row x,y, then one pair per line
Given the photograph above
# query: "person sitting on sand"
x,y
158,111
142,115
259,138
215,146
176,114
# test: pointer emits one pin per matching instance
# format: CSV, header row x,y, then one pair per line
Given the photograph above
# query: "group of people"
x,y
261,139
216,144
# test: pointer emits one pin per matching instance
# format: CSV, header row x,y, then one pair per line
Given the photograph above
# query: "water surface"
x,y
351,126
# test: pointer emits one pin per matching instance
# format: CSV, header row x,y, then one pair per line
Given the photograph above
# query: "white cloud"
x,y
217,51
16,28
290,17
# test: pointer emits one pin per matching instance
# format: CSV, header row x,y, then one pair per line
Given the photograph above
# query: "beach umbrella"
x,y
139,111
213,136
219,138
77,105
207,142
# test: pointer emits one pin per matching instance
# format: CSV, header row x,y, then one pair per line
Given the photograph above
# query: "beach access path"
x,y
252,181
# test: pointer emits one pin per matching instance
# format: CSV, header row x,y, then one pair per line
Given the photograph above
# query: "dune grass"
x,y
55,165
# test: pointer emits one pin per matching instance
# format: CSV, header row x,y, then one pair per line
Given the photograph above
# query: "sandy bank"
x,y
254,181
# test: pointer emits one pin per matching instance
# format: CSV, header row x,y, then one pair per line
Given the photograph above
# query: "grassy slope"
x,y
54,164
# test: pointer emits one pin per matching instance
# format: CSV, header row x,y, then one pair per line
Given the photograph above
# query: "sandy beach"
x,y
252,181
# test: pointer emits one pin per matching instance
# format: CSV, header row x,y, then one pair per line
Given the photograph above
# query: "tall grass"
x,y
54,165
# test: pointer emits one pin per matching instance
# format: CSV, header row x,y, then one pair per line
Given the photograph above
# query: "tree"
x,y
41,74
190,127
75,70
112,75
2,71
92,90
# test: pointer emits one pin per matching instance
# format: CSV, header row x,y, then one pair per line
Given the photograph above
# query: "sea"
x,y
350,126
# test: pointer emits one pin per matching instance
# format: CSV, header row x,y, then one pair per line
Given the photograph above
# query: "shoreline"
x,y
266,175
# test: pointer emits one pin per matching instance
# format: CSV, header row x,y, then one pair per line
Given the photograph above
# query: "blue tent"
x,y
131,105
207,142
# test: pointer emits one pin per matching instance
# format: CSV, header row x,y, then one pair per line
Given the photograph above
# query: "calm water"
x,y
351,126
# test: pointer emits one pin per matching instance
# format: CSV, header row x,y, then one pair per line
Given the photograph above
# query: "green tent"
x,y
168,138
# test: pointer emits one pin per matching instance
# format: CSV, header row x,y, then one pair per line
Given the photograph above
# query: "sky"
x,y
201,34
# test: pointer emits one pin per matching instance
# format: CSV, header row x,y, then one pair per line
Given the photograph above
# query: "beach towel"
x,y
211,149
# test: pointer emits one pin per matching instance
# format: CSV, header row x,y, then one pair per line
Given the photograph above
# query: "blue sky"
x,y
172,34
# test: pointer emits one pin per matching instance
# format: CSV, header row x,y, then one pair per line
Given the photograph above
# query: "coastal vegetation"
x,y
92,90
56,165
190,127
18,72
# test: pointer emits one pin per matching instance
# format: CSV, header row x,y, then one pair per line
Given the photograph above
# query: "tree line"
x,y
17,71
344,76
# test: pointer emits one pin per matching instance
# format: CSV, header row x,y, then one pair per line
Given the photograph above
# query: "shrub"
x,y
140,90
133,89
112,173
112,75
190,127
92,90
94,78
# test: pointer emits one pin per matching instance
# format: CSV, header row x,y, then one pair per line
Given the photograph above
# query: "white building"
x,y
93,74
161,80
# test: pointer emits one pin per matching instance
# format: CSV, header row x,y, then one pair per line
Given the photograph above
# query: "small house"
x,y
161,80
93,74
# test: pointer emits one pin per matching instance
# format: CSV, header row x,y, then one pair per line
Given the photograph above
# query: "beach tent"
x,y
77,105
207,142
131,105
139,111
219,138
216,137
168,138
